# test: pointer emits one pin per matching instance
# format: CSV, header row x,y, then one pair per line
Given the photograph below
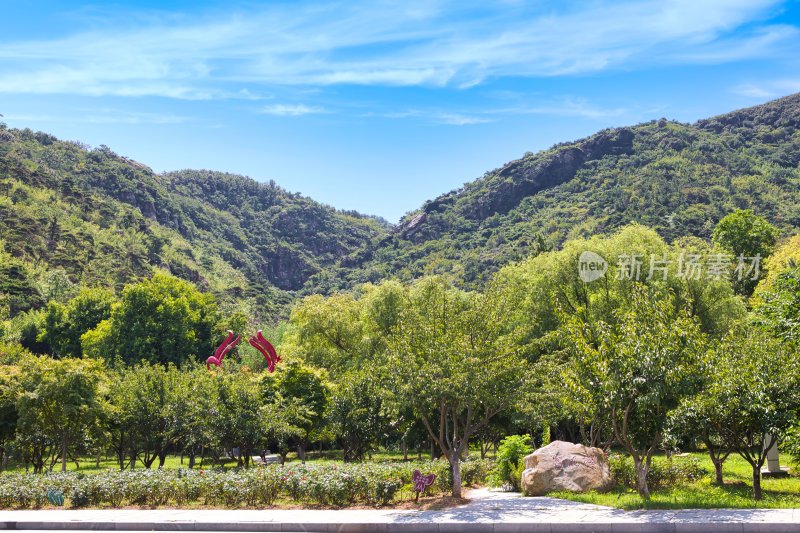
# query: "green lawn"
x,y
89,465
704,494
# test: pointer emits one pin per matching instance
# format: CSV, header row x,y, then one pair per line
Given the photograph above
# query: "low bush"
x,y
324,484
669,472
475,470
508,468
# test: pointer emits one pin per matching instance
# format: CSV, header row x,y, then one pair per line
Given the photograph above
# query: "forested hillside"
x,y
72,215
78,216
679,179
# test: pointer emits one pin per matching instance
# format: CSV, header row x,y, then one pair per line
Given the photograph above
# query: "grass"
x,y
737,492
89,465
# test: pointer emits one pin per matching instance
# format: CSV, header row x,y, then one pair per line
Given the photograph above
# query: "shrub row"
x,y
670,472
312,484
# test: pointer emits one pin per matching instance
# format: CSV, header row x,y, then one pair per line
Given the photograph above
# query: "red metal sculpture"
x,y
226,346
267,350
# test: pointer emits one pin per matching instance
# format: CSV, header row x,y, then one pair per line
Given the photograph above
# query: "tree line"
x,y
667,361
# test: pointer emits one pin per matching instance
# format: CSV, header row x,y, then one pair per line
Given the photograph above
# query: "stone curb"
x,y
410,527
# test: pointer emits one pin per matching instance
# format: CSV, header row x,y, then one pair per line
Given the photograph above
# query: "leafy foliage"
x,y
679,179
508,461
162,319
106,220
326,485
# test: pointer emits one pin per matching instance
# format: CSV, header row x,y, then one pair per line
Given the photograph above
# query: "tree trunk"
x,y
64,453
404,446
301,453
191,460
455,469
757,495
641,479
717,469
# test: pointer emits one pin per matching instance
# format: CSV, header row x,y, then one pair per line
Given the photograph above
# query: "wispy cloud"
x,y
565,107
436,117
99,116
520,105
457,119
436,44
291,110
768,88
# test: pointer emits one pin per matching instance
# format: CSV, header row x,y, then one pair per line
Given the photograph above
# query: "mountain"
x,y
677,178
92,217
74,215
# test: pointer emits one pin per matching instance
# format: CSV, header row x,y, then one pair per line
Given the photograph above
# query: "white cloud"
x,y
100,116
444,43
566,107
290,110
457,119
768,88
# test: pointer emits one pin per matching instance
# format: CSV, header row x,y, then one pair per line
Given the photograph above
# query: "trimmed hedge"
x,y
334,485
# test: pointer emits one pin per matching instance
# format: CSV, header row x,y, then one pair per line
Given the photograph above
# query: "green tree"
x,y
162,319
192,402
743,233
143,397
328,332
306,391
755,391
239,416
59,401
359,412
64,324
449,358
645,363
778,308
508,461
694,419
9,381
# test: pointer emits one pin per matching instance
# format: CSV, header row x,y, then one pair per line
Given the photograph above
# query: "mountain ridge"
x,y
106,219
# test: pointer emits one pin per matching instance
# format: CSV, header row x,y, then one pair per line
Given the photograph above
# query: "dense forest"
x,y
679,179
76,216
469,316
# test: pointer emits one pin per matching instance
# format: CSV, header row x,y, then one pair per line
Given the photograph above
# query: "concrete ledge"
x,y
410,527
487,512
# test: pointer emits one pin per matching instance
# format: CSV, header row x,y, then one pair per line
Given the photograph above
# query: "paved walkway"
x,y
487,512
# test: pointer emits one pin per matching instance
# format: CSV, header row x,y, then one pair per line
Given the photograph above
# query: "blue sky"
x,y
378,106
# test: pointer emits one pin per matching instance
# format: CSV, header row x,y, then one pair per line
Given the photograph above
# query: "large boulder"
x,y
565,466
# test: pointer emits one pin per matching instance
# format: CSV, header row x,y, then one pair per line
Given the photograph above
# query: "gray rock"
x,y
565,466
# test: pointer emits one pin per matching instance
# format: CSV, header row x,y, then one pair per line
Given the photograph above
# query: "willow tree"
x,y
450,358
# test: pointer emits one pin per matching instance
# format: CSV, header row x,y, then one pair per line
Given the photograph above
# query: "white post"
x,y
773,460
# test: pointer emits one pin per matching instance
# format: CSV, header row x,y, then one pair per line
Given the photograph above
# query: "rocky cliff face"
x,y
218,229
677,178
